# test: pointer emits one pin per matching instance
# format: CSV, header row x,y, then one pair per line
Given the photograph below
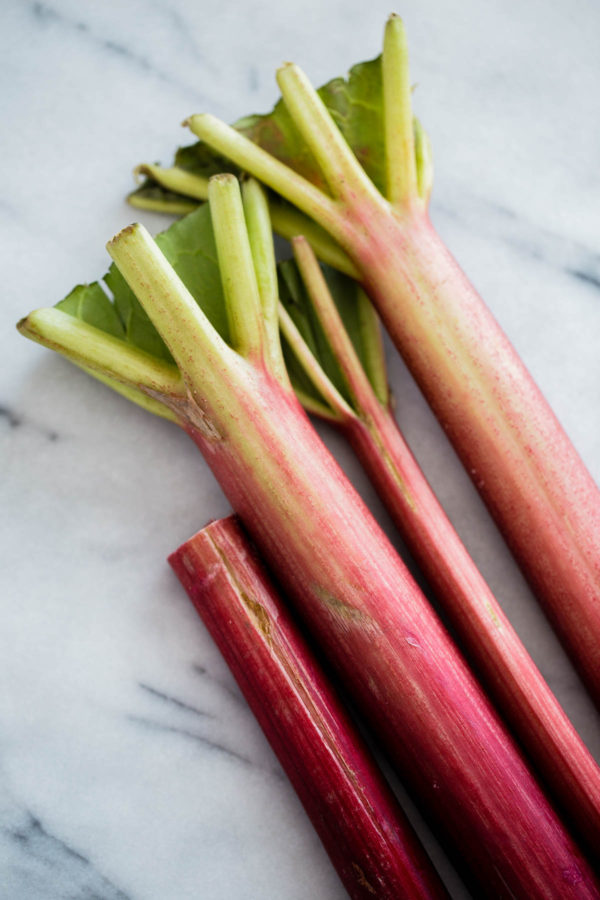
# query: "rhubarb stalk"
x,y
491,643
535,485
370,842
359,601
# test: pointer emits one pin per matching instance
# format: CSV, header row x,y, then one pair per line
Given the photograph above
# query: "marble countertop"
x,y
130,767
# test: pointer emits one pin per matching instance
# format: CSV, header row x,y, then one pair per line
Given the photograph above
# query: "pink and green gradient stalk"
x,y
534,483
508,671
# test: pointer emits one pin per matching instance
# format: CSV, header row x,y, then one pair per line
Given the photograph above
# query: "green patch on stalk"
x,y
345,611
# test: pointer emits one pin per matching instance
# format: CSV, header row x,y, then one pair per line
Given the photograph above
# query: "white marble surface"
x,y
129,766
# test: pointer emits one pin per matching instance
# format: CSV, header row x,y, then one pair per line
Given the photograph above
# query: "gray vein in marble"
x,y
48,14
15,420
174,701
587,277
33,831
183,31
12,419
253,80
153,725
41,846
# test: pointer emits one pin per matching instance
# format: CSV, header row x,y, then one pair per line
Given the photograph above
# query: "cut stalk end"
x,y
424,161
346,178
236,265
102,354
260,235
398,119
183,326
174,179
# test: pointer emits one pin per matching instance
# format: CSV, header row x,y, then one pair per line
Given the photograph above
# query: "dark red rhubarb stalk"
x,y
521,461
370,842
396,661
508,671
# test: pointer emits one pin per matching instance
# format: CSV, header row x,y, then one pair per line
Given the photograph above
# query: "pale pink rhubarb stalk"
x,y
370,842
525,468
508,671
359,601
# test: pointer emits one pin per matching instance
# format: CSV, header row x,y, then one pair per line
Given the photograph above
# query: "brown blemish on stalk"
x,y
343,610
189,413
200,420
256,609
142,170
362,880
125,232
260,615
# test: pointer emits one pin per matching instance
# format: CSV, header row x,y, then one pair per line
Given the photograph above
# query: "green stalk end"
x,y
175,179
357,381
260,235
424,160
201,355
236,265
103,355
398,118
345,176
171,206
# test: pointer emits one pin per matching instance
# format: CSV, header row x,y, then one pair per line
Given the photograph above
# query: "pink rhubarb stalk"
x,y
356,596
370,842
520,459
508,671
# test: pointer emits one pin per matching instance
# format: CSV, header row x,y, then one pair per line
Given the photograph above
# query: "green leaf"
x,y
139,330
89,303
356,105
200,159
